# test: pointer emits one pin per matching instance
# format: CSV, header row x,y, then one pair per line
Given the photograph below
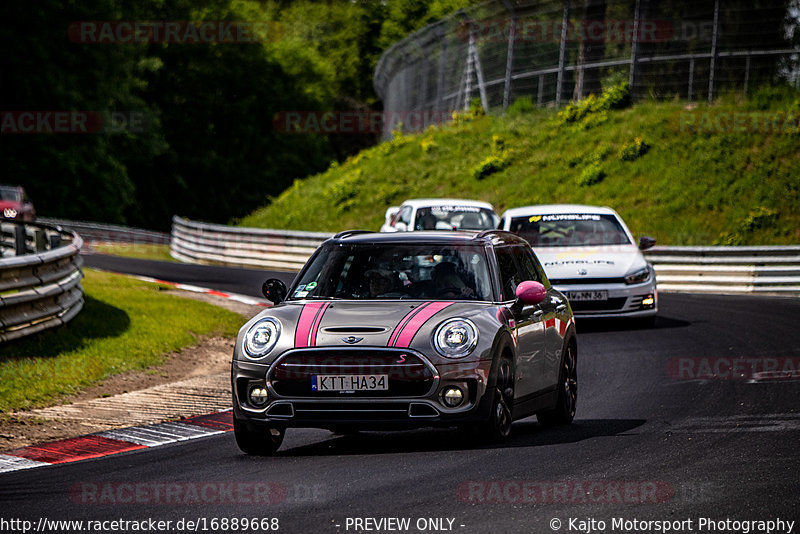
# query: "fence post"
x,y
479,75
512,38
713,65
540,94
746,73
442,67
562,53
425,63
470,66
691,78
634,44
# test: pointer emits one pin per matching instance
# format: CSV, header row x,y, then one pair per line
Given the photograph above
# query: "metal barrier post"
x,y
40,239
20,238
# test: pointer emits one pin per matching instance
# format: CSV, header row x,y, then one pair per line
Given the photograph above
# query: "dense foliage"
x,y
208,148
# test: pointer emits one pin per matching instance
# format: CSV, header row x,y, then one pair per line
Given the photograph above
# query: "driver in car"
x,y
448,283
380,282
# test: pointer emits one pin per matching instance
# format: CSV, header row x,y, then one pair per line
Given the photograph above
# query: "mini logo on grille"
x,y
583,272
352,340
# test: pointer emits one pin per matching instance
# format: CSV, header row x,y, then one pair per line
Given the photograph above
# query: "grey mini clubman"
x,y
407,330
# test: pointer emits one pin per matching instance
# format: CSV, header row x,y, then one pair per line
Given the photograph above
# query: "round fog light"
x,y
258,396
452,396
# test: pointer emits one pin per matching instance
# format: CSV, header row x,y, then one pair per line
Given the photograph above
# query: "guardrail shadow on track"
x,y
40,278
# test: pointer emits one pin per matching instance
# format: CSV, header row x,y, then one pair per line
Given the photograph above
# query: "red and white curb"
x,y
117,441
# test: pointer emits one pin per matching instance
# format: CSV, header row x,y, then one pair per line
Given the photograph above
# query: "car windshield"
x,y
570,230
397,271
454,218
10,194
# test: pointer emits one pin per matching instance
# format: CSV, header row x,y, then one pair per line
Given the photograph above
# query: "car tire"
x,y
257,441
567,398
497,428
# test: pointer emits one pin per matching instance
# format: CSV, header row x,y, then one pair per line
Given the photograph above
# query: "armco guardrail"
x,y
196,242
727,269
680,269
102,233
40,278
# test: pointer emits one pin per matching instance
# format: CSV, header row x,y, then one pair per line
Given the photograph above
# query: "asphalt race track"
x,y
235,280
665,430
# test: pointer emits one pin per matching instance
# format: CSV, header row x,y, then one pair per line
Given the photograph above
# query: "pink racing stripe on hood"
x,y
404,321
414,323
306,333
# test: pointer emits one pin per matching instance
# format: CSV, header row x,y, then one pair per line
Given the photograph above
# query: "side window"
x,y
527,264
509,273
542,275
404,216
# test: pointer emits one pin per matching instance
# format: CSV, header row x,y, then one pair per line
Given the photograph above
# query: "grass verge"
x,y
125,325
135,250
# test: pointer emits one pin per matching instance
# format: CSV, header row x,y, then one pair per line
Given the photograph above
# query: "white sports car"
x,y
589,255
440,214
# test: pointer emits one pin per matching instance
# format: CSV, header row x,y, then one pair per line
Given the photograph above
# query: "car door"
x,y
529,329
555,316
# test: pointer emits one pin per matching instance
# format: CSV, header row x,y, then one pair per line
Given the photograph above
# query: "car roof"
x,y
493,237
424,202
553,209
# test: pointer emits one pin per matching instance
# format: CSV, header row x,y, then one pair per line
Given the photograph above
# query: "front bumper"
x,y
414,398
623,300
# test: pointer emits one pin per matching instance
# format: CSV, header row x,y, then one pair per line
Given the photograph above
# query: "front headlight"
x,y
261,338
640,276
455,338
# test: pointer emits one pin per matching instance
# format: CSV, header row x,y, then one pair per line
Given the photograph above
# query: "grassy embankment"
x,y
681,186
125,325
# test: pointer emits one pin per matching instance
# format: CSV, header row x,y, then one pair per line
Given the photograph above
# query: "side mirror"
x,y
390,213
530,292
275,290
646,242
